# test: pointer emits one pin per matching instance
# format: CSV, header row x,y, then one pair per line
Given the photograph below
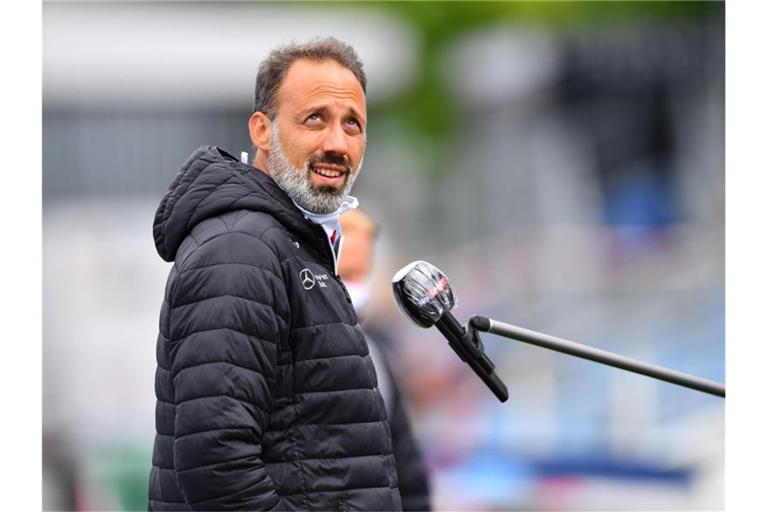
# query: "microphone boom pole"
x,y
424,295
485,324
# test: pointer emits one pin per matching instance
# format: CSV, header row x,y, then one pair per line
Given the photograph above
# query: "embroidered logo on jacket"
x,y
308,279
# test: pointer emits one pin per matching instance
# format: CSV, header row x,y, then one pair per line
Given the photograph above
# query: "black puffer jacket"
x,y
266,394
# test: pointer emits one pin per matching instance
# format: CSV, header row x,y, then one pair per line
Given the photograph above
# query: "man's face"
x,y
357,257
318,136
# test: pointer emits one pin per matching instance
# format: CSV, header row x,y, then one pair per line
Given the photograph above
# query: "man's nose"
x,y
335,141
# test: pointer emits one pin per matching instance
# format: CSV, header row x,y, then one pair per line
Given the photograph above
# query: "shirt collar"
x,y
330,223
330,220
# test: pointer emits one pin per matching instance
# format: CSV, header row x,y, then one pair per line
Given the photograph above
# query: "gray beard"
x,y
295,182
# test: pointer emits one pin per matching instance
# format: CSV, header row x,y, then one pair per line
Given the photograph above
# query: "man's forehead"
x,y
308,81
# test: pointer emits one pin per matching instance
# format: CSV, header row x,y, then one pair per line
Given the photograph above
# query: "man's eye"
x,y
354,122
314,118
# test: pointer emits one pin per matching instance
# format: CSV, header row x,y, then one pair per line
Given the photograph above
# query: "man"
x,y
355,265
266,394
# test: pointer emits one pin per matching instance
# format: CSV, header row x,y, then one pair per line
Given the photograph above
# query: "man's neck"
x,y
260,162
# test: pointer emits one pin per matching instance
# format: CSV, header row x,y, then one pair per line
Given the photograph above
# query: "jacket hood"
x,y
212,182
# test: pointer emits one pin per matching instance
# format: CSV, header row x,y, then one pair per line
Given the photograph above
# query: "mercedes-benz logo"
x,y
307,279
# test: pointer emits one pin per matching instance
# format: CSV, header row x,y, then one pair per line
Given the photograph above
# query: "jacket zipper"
x,y
343,287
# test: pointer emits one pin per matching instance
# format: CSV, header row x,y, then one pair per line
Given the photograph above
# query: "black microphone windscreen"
x,y
422,292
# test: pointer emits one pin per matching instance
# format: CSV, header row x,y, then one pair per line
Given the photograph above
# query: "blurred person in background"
x,y
266,392
355,265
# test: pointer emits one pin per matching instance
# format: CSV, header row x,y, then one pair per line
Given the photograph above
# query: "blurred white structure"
x,y
201,53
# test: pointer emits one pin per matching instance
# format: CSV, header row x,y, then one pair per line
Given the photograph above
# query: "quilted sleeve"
x,y
225,325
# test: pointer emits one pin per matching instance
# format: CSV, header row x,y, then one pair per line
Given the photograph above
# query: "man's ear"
x,y
260,130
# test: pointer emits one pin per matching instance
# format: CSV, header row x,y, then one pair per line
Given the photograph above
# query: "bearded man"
x,y
266,394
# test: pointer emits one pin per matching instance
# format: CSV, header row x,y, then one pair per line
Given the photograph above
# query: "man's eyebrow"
x,y
313,108
324,108
354,112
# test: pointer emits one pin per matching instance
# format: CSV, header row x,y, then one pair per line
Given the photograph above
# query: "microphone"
x,y
424,295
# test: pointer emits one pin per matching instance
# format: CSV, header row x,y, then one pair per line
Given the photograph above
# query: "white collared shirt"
x,y
330,224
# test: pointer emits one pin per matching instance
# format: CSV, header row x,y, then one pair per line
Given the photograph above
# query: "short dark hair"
x,y
273,69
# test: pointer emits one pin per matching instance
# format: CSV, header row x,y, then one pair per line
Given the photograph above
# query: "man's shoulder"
x,y
238,236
